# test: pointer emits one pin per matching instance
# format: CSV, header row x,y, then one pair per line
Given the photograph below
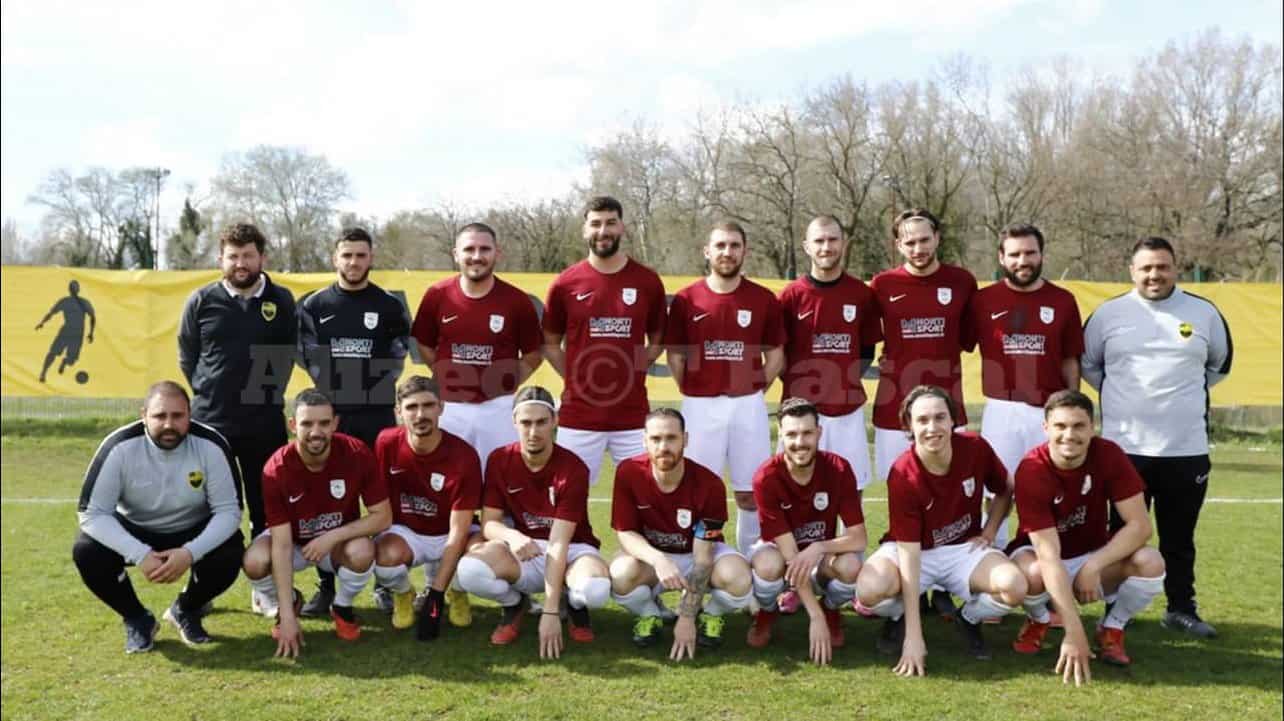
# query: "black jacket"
x,y
354,344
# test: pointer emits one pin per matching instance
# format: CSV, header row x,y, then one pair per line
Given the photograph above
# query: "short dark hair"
x,y
914,214
313,398
241,235
932,392
797,408
479,228
1154,242
354,235
533,393
1020,230
417,384
666,412
599,203
166,388
1067,398
730,226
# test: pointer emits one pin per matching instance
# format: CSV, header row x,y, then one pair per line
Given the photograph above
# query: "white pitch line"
x,y
1251,501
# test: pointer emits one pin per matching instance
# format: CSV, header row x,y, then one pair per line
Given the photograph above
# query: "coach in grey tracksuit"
x,y
1153,354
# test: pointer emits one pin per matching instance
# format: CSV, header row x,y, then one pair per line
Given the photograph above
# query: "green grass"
x,y
63,659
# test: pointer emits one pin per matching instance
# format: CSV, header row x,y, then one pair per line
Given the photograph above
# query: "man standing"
x,y
1030,339
353,342
1065,547
236,347
160,493
923,304
71,335
723,340
313,490
669,512
1154,353
610,312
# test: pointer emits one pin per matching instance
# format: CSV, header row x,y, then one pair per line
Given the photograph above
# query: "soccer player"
x,y
434,481
481,338
1154,353
935,535
313,489
160,493
723,341
550,547
609,311
353,343
801,494
923,305
1065,548
668,512
236,347
1030,339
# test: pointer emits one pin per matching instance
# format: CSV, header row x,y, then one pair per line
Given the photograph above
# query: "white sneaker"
x,y
262,604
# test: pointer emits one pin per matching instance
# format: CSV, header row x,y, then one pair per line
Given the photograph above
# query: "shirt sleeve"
x,y
374,489
1034,491
771,518
967,333
275,510
904,513
871,330
1072,335
773,335
1092,362
849,503
425,328
572,489
1220,350
624,512
714,507
1125,482
529,338
658,313
996,474
220,494
398,331
675,332
493,495
189,338
104,483
555,309
311,354
469,490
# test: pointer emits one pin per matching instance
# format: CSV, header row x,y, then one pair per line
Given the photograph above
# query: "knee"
x,y
86,553
625,574
734,579
1011,584
256,562
388,553
1148,562
359,554
769,565
1034,579
846,567
873,585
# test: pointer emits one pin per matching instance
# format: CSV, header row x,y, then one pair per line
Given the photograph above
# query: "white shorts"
x,y
531,579
761,545
1073,566
590,445
728,433
326,564
485,426
845,435
426,549
1012,429
946,567
888,446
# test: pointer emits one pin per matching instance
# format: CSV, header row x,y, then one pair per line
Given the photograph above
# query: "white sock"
x,y
983,606
394,578
478,578
592,592
747,530
720,602
837,593
639,602
1134,594
265,587
1036,607
892,608
350,583
765,592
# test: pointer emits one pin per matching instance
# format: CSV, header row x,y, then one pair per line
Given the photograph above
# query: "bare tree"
x,y
640,169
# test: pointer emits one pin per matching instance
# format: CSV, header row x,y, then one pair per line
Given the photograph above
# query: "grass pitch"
x,y
63,657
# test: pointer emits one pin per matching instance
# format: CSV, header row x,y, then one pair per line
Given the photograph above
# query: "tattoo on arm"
x,y
698,581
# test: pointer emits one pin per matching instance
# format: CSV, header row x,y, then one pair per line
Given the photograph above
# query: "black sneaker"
x,y
140,633
428,620
943,604
1188,622
188,624
892,638
383,600
709,630
319,605
973,640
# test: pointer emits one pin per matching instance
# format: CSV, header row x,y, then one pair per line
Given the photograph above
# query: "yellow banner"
x,y
71,332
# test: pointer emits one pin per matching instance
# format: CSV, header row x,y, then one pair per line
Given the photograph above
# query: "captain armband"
x,y
708,529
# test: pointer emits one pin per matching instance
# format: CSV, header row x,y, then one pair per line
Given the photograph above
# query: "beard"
x,y
608,251
1036,272
251,279
168,440
477,271
365,274
728,274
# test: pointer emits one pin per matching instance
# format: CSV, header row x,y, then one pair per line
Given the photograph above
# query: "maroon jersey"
x,y
825,326
424,490
666,520
605,320
809,513
314,502
1023,338
934,510
724,336
477,340
924,331
1074,501
534,499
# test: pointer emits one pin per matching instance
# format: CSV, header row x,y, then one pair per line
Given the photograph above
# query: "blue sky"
x,y
424,102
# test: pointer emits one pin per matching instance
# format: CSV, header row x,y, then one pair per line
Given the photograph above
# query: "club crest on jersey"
x,y
849,312
1185,330
338,488
1046,314
684,518
820,501
944,295
496,322
437,481
969,487
370,320
268,309
1087,484
630,295
195,479
744,318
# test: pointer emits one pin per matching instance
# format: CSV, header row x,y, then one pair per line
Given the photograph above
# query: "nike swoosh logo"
x,y
295,499
448,318
1058,499
803,316
326,318
895,298
643,508
516,490
930,504
395,471
582,296
996,316
698,318
786,506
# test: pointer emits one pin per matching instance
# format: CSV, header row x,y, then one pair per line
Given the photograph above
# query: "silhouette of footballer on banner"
x,y
71,335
